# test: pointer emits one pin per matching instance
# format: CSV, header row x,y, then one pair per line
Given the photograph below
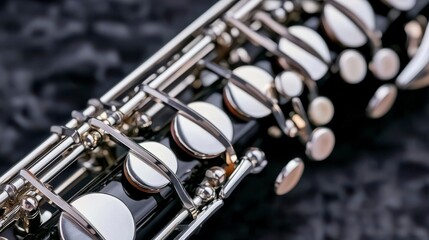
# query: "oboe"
x,y
161,152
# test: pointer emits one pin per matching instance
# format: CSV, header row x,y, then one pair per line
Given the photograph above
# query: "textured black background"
x,y
54,55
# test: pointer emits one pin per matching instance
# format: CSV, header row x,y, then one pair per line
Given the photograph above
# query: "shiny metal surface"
x,y
215,177
30,216
415,75
195,117
107,214
289,177
289,84
241,101
39,151
321,144
382,101
51,158
315,67
253,159
341,28
74,215
149,159
142,175
202,129
206,193
29,158
169,49
174,224
203,47
296,36
265,99
285,60
194,138
352,66
202,217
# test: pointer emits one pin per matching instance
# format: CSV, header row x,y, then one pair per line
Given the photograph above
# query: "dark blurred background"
x,y
54,55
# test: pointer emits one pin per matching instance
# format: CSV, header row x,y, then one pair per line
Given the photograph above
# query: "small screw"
x,y
92,140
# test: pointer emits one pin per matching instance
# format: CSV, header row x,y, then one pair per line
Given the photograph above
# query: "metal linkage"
x,y
253,161
71,212
55,145
62,148
207,197
231,156
245,86
127,83
273,48
149,159
204,194
282,31
169,50
66,136
165,70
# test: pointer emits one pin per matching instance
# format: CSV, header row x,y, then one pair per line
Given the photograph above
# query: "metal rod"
x,y
169,49
38,151
176,221
171,226
18,183
243,169
182,65
131,80
243,11
50,151
188,60
130,107
51,158
202,217
200,49
81,172
9,217
62,165
54,153
51,140
253,161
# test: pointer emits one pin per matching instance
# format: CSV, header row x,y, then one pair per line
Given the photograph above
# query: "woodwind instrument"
x,y
162,151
